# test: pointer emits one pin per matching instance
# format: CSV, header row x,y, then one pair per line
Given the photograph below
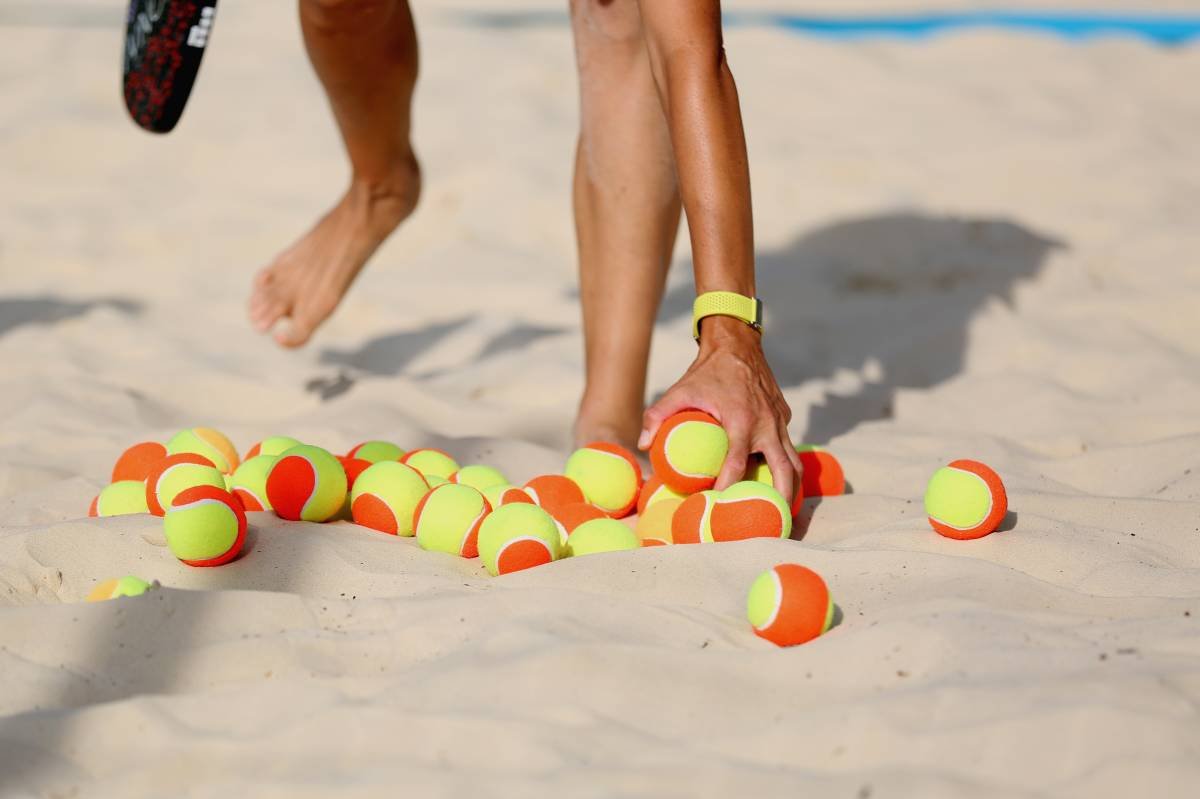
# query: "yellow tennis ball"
x,y
654,523
689,451
119,587
249,482
272,445
176,472
518,536
386,496
307,484
210,443
120,499
448,520
789,604
376,451
609,476
602,535
205,526
479,477
431,463
965,500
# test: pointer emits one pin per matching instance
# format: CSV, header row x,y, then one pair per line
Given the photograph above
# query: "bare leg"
x,y
365,53
626,214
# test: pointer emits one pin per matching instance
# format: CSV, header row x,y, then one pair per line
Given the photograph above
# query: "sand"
x,y
982,246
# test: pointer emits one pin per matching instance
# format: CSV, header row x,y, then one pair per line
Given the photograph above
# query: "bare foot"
x,y
307,281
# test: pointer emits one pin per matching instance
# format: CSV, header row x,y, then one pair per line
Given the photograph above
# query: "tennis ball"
x,y
518,536
137,461
306,484
554,491
119,587
965,500
576,513
479,477
385,497
120,499
602,535
210,443
690,523
376,451
249,482
789,604
688,451
447,520
274,445
654,524
353,468
431,463
205,526
608,475
176,472
823,475
656,490
760,472
748,509
506,495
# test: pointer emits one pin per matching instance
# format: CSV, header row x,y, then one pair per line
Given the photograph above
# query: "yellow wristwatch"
x,y
726,303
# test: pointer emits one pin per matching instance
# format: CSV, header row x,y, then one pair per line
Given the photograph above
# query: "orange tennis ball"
x,y
688,451
506,495
654,524
386,496
205,526
249,482
690,522
136,462
571,516
306,484
748,509
212,444
823,475
655,490
965,500
609,476
554,491
448,518
176,472
789,604
518,536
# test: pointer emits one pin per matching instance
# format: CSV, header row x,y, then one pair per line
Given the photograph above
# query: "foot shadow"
x,y
17,312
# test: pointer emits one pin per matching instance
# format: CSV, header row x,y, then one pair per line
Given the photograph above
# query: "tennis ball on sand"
x,y
690,523
656,490
748,509
119,587
789,604
176,472
431,463
249,482
506,495
376,451
518,536
353,468
479,477
210,443
205,526
306,484
965,500
602,535
554,491
120,499
385,497
137,461
274,445
608,475
823,475
654,524
688,451
448,518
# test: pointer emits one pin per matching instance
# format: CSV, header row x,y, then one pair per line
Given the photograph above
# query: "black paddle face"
x,y
164,42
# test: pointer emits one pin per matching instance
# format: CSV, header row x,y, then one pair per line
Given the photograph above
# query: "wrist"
x,y
725,332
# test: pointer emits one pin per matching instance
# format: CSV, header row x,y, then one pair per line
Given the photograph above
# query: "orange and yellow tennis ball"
x,y
119,587
376,451
306,484
479,477
690,523
273,445
353,468
448,518
576,513
748,509
965,500
789,604
688,451
137,461
173,474
518,536
431,463
249,482
654,524
609,476
823,475
120,499
602,535
386,496
205,526
506,495
554,492
656,490
210,443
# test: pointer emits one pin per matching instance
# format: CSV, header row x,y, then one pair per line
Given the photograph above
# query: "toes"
x,y
266,305
293,332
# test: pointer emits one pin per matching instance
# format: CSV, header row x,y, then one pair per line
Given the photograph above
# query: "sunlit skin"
x,y
660,133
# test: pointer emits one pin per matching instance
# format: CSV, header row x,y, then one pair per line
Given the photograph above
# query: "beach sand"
x,y
982,245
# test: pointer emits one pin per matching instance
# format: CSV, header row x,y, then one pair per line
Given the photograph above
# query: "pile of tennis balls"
x,y
203,490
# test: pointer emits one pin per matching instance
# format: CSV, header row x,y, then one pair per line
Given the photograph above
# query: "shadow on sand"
x,y
18,312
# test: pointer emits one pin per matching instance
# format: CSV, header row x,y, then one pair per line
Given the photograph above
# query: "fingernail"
x,y
644,439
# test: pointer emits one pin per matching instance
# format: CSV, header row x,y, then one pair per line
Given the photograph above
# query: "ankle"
x,y
398,184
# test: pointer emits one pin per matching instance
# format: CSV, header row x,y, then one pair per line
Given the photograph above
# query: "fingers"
x,y
775,453
671,403
734,468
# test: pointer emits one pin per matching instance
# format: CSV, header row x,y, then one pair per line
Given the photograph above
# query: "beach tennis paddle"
x,y
164,42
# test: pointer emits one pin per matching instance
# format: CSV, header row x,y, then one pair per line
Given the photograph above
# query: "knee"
x,y
347,15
